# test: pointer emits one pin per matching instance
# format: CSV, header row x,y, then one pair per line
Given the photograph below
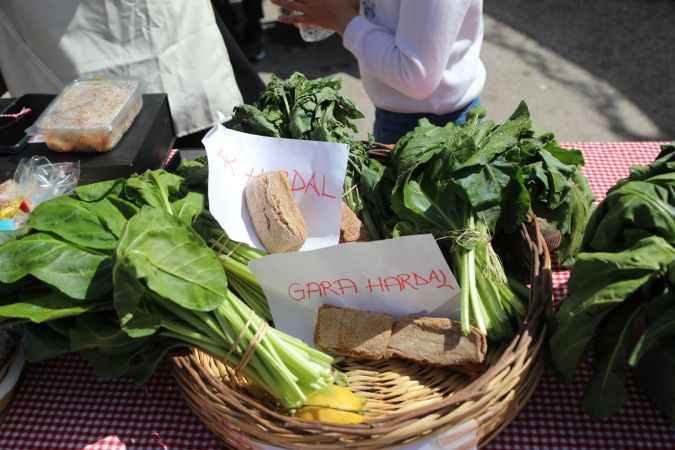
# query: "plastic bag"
x,y
36,180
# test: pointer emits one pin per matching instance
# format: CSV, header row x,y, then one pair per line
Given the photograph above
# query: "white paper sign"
x,y
316,172
403,276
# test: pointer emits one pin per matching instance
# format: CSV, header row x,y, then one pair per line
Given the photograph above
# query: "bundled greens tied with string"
x,y
466,184
121,272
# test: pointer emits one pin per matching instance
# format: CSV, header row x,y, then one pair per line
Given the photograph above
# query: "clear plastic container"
x,y
309,33
89,115
314,34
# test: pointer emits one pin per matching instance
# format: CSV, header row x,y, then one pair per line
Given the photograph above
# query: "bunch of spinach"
x,y
465,184
298,108
622,292
119,273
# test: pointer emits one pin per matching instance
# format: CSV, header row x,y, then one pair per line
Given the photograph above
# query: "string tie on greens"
x,y
250,348
466,239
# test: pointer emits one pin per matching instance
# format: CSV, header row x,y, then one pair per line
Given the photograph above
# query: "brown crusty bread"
x,y
352,332
351,228
424,340
275,215
437,342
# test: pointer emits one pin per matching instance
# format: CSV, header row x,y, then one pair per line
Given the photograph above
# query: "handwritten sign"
x,y
403,276
316,172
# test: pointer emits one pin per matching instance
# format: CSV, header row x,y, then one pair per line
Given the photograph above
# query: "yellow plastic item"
x,y
333,404
9,211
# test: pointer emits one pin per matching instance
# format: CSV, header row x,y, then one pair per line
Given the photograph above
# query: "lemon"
x,y
333,404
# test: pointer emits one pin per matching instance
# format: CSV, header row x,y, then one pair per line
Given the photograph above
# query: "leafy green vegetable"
x,y
46,307
77,273
467,184
44,341
656,374
78,222
299,108
622,292
599,282
634,210
189,207
606,393
118,273
173,260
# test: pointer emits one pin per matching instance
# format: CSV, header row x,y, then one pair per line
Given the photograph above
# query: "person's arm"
x,y
413,60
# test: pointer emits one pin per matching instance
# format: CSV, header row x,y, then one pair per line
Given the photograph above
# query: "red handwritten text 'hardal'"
x,y
341,287
313,184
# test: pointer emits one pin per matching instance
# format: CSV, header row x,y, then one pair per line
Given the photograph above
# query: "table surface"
x,y
61,404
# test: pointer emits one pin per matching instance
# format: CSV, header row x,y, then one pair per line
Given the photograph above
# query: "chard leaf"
x,y
606,393
249,119
73,271
515,203
128,295
507,134
422,208
42,341
78,222
195,172
96,191
189,207
656,374
569,157
484,186
577,216
154,188
662,327
125,207
421,144
663,164
136,360
634,210
45,307
599,283
96,330
172,260
111,217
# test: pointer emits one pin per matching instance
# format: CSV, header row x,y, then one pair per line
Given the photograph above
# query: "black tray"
x,y
144,146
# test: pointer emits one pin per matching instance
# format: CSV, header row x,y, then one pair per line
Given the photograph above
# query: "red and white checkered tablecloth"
x,y
61,404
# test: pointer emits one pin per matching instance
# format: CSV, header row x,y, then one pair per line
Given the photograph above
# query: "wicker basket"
x,y
406,403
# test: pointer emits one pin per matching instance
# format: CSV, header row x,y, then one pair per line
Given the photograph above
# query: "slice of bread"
x,y
275,215
437,342
352,332
351,228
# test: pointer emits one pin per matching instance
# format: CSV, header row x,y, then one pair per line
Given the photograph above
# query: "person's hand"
x,y
332,14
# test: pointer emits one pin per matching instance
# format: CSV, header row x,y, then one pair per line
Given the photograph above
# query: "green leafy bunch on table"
x,y
621,301
124,271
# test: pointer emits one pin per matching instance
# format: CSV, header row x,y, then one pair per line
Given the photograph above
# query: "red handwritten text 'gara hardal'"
x,y
313,184
377,286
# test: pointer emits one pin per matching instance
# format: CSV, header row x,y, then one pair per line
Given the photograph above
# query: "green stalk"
x,y
252,296
474,296
238,269
461,265
192,319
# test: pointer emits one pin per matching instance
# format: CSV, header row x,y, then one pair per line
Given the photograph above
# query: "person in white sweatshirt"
x,y
417,58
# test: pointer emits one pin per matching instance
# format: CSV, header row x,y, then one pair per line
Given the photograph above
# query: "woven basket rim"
x,y
521,360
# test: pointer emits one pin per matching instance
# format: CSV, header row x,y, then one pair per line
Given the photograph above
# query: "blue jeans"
x,y
391,126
